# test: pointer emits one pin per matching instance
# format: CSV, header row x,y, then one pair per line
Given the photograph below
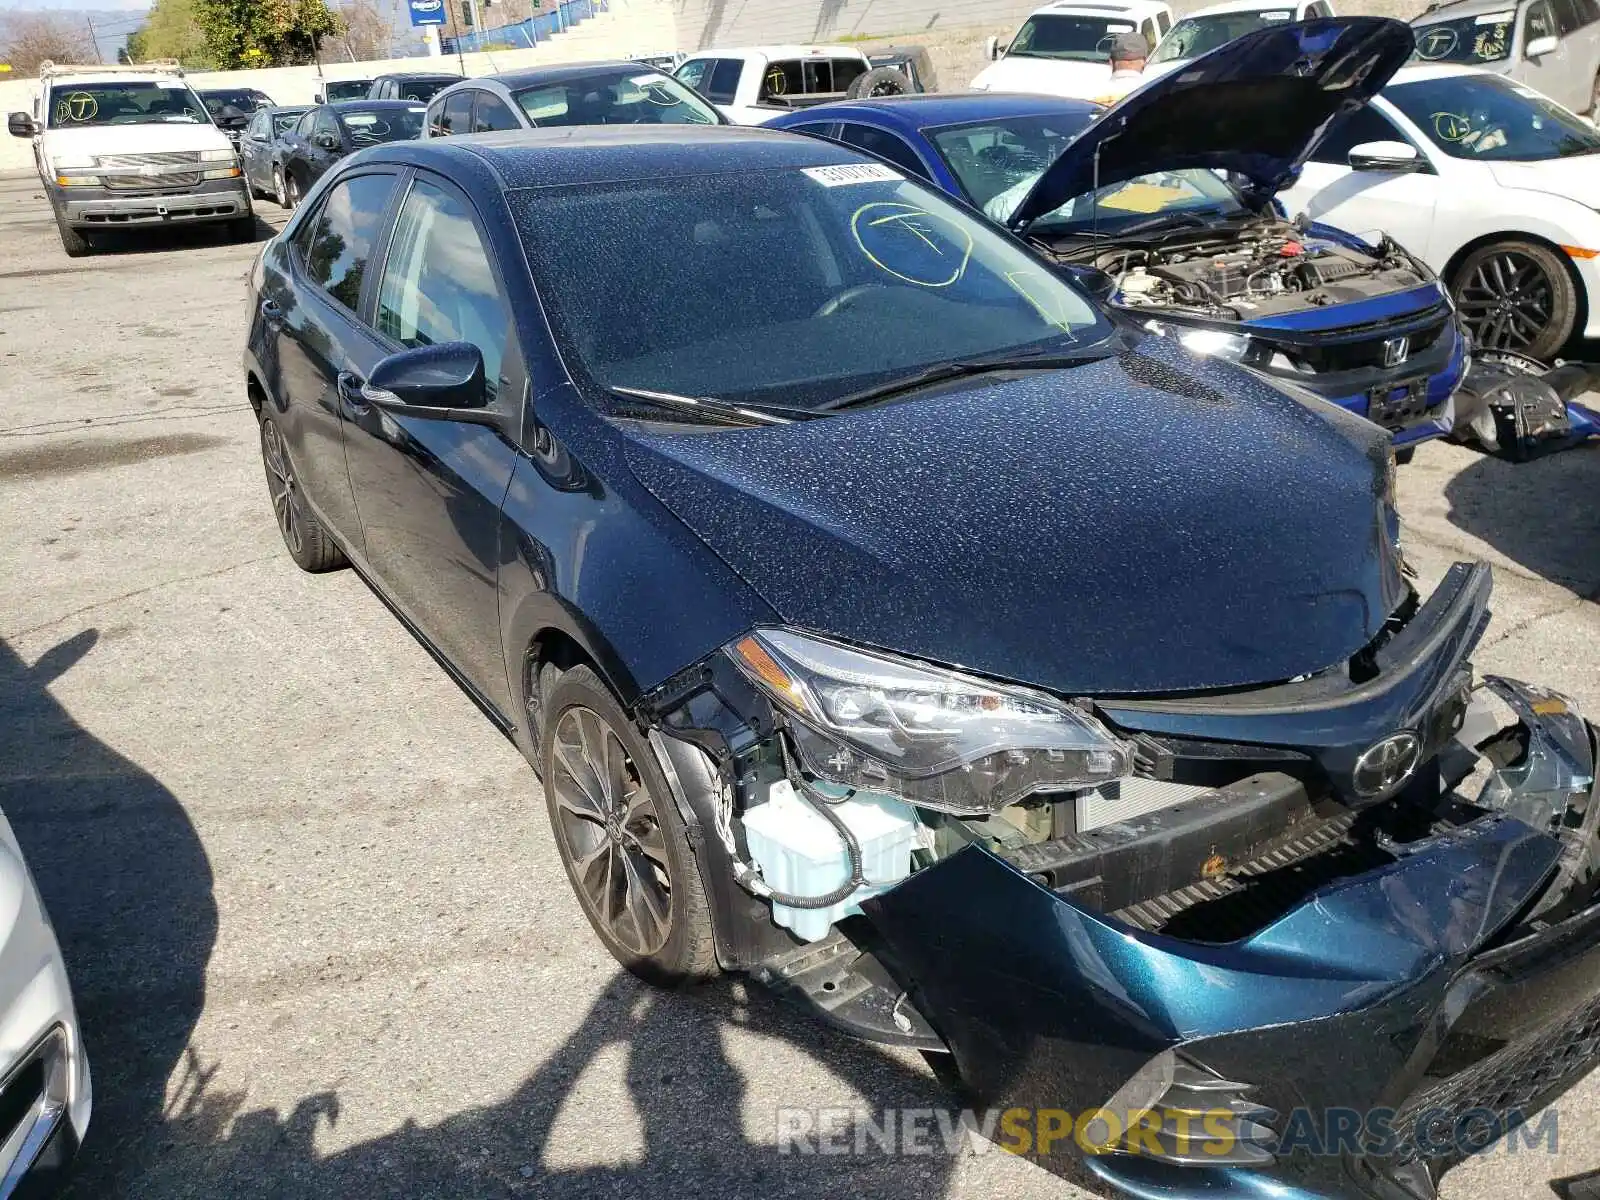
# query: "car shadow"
x,y
157,239
128,889
699,1134
1540,514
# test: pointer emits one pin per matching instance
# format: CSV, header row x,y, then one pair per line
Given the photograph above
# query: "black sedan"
x,y
887,620
232,108
325,134
260,146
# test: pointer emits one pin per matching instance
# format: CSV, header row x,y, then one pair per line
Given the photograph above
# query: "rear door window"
x,y
438,285
336,244
1568,19
722,85
1354,129
492,114
457,115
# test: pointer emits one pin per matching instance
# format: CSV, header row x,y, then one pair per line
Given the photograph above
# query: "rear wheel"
x,y
620,837
308,542
1516,295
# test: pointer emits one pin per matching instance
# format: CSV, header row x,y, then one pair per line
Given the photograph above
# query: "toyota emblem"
x,y
1385,765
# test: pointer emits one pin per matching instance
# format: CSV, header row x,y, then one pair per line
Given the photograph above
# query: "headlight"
x,y
220,173
216,155
939,739
76,179
1215,343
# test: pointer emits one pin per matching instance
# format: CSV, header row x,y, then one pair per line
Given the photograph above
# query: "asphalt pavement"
x,y
320,938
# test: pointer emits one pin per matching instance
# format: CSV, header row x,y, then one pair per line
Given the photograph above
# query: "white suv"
x,y
128,147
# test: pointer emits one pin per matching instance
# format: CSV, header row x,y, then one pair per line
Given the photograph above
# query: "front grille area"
x,y
1500,1091
132,162
150,183
1362,354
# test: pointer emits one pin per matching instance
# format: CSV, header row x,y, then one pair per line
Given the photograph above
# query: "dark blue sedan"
x,y
1138,194
887,621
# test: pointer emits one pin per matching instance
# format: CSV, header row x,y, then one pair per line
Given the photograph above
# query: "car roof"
x,y
924,111
287,108
556,72
1464,8
1137,9
344,106
1244,6
158,78
407,75
579,154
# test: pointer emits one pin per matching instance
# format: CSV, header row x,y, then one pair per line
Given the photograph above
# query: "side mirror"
x,y
1539,47
443,381
326,140
319,98
1401,157
992,48
20,124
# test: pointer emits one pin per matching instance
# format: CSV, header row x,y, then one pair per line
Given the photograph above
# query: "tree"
x,y
28,39
171,31
368,33
264,33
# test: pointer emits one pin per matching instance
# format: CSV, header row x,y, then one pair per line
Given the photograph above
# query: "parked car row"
x,y
918,585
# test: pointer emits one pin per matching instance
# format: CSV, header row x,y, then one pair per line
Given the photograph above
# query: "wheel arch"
x,y
1580,318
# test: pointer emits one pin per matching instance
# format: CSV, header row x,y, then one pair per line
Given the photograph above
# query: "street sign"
x,y
426,12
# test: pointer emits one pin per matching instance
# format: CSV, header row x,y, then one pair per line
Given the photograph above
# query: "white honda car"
x,y
1494,185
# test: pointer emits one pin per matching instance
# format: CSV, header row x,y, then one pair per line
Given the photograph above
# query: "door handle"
x,y
272,312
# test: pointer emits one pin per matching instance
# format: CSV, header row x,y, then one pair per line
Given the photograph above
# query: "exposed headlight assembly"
x,y
1216,343
218,155
937,738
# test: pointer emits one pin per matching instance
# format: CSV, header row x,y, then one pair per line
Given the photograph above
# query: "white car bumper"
x,y
45,1091
1589,274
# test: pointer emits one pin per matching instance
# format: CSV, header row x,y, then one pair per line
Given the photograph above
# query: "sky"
x,y
131,6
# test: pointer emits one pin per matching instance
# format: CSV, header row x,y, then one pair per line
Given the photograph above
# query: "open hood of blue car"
x,y
1254,107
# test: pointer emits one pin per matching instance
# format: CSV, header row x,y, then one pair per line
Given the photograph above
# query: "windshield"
x,y
245,101
348,89
622,97
73,104
369,127
285,118
1468,40
420,89
1080,39
786,287
1140,200
1491,119
1194,36
992,157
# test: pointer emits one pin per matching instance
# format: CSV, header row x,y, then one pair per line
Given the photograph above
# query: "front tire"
x,y
620,837
291,190
1516,295
307,541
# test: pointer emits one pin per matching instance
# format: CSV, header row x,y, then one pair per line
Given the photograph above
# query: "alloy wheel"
x,y
611,831
281,485
291,188
278,190
1507,302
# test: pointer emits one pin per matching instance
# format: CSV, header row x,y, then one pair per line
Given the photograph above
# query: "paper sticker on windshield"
x,y
1496,18
1277,15
848,173
361,119
1113,27
1145,198
417,109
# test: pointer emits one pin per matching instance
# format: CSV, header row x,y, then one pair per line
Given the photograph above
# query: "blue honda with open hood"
x,y
1170,194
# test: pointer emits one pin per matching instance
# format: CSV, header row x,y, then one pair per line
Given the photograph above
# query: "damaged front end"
x,y
1191,924
1520,408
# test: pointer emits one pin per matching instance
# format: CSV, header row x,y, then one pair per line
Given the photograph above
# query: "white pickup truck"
x,y
130,147
753,85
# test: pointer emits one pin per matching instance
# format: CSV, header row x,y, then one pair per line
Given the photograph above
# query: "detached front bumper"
x,y
1362,1041
208,200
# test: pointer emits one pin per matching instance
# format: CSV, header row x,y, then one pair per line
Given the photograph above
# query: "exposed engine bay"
x,y
1267,269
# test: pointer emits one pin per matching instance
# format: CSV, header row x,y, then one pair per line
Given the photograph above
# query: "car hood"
x,y
1147,523
1044,77
1253,107
89,140
1576,179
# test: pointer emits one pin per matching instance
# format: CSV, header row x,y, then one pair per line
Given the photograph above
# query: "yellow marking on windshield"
x,y
891,217
1144,198
1451,127
1019,283
77,106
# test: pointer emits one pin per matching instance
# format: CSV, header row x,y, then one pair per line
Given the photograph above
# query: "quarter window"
x,y
437,284
336,244
457,116
1354,129
883,145
492,114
